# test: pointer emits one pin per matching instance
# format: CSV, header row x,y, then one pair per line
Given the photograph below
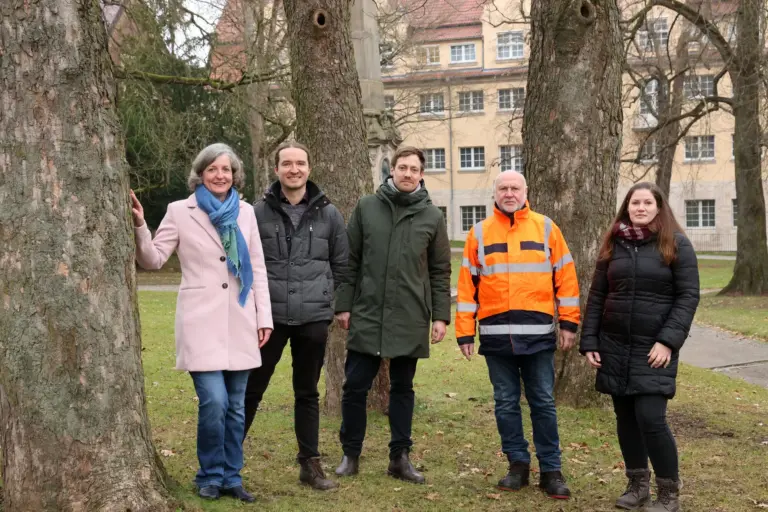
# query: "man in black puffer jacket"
x,y
305,249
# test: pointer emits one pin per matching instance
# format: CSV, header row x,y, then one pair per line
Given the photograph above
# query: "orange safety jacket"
x,y
515,268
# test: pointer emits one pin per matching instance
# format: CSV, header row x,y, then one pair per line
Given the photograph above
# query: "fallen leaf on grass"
x,y
432,496
167,453
451,395
493,496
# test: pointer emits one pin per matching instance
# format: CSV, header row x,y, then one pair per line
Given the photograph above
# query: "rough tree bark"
x,y
572,139
329,120
750,273
73,419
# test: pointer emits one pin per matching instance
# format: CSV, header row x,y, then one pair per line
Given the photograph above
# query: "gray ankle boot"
x,y
638,492
667,496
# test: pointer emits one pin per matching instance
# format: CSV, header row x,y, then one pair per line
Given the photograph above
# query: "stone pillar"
x,y
383,137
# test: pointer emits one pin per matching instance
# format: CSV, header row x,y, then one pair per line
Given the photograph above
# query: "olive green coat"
x,y
399,274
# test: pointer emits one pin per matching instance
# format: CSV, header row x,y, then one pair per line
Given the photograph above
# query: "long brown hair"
x,y
664,225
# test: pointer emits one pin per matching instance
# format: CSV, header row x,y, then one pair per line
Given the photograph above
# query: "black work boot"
x,y
553,483
239,494
349,466
667,496
400,467
209,492
638,492
517,476
313,475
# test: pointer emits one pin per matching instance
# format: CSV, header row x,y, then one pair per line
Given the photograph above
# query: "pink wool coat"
x,y
213,332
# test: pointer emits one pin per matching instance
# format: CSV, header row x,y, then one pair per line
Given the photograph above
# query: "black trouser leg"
x,y
259,378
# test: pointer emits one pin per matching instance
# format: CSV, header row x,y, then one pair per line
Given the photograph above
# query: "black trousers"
x,y
641,424
308,353
360,370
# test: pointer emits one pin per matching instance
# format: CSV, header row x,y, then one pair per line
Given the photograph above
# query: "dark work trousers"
x,y
308,353
360,370
641,424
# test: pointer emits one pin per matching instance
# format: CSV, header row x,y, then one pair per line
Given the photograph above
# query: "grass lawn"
x,y
714,273
745,315
721,424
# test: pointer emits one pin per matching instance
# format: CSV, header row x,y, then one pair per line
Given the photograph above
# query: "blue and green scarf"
x,y
223,216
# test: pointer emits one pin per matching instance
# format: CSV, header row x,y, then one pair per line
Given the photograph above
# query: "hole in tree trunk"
x,y
587,10
320,18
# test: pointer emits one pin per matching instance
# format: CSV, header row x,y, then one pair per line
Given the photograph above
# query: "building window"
x,y
735,207
655,35
471,101
511,99
700,147
471,215
435,159
428,55
472,158
697,87
700,213
649,97
650,152
511,158
389,102
510,45
431,103
462,53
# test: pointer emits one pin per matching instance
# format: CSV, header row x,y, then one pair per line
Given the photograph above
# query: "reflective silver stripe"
x,y
472,269
466,307
567,301
547,232
563,261
517,329
480,244
516,268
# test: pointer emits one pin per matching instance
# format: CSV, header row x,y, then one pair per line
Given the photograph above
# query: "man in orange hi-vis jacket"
x,y
516,270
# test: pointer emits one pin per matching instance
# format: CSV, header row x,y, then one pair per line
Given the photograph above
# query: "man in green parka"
x,y
398,280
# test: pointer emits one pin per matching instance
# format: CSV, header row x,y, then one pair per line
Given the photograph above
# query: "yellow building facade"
x,y
457,90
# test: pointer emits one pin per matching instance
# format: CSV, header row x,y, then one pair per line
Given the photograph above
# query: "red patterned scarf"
x,y
629,232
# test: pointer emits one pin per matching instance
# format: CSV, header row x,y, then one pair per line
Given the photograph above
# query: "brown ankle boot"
x,y
401,467
638,492
313,475
667,496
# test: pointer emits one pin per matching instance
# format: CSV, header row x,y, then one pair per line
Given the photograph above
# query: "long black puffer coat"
x,y
635,300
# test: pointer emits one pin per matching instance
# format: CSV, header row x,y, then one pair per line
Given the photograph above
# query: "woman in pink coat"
x,y
223,312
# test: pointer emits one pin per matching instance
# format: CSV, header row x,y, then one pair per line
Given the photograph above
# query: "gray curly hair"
x,y
206,158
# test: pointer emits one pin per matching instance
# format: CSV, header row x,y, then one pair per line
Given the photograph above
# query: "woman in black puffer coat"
x,y
644,294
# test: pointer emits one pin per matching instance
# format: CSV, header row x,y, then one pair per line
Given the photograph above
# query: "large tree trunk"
x,y
329,120
750,274
572,137
73,417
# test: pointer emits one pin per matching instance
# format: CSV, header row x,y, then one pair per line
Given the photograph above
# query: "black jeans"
x,y
641,424
360,371
308,353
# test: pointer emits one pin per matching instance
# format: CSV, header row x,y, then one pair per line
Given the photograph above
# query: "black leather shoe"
x,y
209,492
239,493
349,466
401,467
553,483
516,478
313,475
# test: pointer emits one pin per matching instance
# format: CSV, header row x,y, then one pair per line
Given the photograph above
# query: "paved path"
x,y
715,257
727,353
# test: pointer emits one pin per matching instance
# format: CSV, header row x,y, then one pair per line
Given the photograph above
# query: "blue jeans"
x,y
220,427
538,374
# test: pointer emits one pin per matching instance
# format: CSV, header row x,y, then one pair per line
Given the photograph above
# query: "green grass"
x,y
744,315
457,243
714,274
717,421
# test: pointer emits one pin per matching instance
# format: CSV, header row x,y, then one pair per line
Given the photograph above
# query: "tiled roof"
x,y
429,35
443,13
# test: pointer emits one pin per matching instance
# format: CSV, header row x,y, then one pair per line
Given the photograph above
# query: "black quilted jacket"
x,y
636,300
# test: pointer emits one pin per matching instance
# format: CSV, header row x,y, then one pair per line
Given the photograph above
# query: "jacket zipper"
x,y
277,237
310,239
